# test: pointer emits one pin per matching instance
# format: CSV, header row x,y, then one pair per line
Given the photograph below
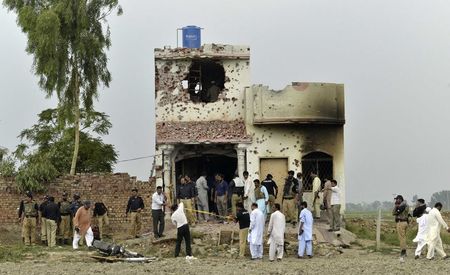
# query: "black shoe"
x,y
330,230
416,257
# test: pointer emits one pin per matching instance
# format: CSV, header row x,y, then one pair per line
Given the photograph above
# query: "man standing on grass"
x,y
255,232
401,212
305,232
43,220
28,215
51,212
64,226
435,223
275,232
243,217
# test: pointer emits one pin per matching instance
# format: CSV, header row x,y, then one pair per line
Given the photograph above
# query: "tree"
x,y
68,40
53,140
7,167
442,197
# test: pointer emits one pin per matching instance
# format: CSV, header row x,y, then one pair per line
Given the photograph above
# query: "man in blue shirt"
x,y
220,196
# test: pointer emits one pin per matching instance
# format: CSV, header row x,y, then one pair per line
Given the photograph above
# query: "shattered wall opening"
x,y
205,80
319,162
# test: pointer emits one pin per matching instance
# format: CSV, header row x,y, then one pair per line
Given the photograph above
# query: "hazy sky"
x,y
392,56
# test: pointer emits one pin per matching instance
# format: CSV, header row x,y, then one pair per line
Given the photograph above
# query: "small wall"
x,y
113,189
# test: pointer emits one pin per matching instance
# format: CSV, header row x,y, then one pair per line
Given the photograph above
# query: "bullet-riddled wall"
x,y
290,124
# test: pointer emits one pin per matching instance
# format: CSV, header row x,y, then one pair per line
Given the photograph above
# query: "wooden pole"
x,y
378,229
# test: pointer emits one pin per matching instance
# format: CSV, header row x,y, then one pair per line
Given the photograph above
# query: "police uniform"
x,y
289,194
101,213
65,227
134,207
28,212
186,193
43,220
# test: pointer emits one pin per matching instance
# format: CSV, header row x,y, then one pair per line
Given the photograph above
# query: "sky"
x,y
392,56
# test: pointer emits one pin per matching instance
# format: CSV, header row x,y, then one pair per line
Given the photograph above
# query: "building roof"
x,y
215,51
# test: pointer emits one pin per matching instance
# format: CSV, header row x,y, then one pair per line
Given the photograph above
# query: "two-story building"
x,y
209,117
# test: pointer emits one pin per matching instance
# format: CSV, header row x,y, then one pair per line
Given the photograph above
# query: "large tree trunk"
x,y
73,166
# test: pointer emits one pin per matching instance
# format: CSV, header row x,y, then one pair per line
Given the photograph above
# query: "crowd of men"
x,y
251,203
61,221
429,221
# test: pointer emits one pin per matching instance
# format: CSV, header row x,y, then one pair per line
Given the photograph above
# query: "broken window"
x,y
321,163
205,81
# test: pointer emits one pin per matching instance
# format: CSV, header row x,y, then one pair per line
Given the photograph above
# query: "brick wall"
x,y
113,189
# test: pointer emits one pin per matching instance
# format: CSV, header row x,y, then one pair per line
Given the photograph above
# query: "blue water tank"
x,y
191,37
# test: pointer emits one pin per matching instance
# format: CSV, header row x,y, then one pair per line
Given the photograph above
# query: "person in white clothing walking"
x,y
435,223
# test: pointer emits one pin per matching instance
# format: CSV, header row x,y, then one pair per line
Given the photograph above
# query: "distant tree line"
x,y
441,196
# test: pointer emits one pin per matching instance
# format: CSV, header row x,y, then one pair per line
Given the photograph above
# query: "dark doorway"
x,y
321,163
212,164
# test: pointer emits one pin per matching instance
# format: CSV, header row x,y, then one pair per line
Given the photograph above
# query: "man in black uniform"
x,y
272,189
101,214
43,220
243,217
53,216
186,193
134,207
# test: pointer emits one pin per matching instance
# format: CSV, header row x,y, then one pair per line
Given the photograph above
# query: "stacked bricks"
x,y
113,189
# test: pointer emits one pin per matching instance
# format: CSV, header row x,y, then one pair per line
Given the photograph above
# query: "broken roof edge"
x,y
300,86
203,142
220,51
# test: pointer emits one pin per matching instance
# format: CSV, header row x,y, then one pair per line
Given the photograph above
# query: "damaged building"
x,y
209,117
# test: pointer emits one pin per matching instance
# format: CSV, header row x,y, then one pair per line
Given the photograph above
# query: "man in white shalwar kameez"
x,y
202,199
435,223
255,232
249,192
305,231
275,232
422,231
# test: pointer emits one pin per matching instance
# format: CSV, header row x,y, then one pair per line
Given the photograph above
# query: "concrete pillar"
x,y
167,151
241,165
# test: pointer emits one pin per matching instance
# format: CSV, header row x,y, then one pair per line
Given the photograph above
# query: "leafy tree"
x,y
53,140
442,197
7,167
68,40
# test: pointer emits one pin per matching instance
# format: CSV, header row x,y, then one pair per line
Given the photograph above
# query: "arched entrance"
x,y
320,162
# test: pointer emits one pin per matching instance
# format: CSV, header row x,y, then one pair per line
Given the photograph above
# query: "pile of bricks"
x,y
113,189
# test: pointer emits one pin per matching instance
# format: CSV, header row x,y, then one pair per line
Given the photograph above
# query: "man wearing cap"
x,y
134,207
53,216
401,212
82,225
43,220
64,225
28,215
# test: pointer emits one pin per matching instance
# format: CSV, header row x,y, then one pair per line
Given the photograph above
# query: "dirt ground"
x,y
212,258
352,261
